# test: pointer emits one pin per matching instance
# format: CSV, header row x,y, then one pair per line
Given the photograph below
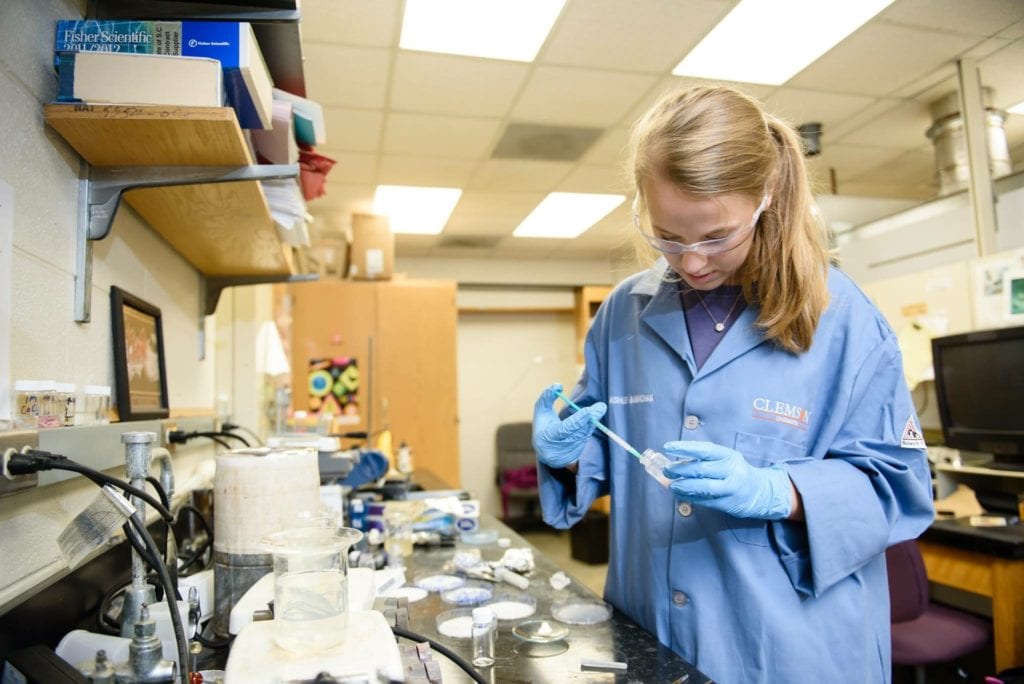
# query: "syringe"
x,y
654,462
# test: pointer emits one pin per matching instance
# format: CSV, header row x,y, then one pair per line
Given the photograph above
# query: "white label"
x,y
374,262
912,437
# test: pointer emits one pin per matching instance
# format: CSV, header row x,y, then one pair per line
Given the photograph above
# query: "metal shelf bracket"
x,y
99,196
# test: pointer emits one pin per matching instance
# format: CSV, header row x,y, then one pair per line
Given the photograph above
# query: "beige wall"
x,y
45,342
505,360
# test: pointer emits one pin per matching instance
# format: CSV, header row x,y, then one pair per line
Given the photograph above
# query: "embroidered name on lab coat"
x,y
781,412
632,399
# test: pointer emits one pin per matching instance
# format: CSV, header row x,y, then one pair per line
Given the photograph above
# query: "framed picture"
x,y
140,375
1013,296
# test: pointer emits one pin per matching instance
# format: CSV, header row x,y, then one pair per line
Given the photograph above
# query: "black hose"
x,y
231,427
443,650
215,435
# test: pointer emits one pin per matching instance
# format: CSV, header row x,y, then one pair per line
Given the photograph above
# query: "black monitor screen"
x,y
979,382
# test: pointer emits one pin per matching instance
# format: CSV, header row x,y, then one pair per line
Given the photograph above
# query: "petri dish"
x,y
469,594
438,582
411,594
456,623
540,631
508,606
581,611
479,537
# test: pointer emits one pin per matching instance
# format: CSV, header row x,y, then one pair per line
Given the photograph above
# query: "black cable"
x,y
169,594
443,650
230,427
43,460
159,490
215,435
211,643
205,524
218,440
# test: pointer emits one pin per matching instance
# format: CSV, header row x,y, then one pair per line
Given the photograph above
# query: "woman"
x,y
777,390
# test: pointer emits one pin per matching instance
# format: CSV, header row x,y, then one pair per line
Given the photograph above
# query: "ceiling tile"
x,y
491,213
672,83
880,58
346,76
444,84
353,130
977,17
849,161
918,164
584,97
901,127
422,134
519,175
596,179
431,171
797,106
650,36
351,167
1003,71
611,148
353,22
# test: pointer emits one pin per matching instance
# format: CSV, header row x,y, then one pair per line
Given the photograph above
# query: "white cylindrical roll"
x,y
78,648
258,491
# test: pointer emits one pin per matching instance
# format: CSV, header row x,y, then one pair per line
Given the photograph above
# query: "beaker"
x,y
310,586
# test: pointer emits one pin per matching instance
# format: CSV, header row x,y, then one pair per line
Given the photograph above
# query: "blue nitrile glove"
x,y
720,478
558,442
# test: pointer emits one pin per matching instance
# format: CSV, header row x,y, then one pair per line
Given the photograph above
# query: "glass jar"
x,y
66,402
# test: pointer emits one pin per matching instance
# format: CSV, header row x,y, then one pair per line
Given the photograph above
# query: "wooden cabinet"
x,y
588,300
402,335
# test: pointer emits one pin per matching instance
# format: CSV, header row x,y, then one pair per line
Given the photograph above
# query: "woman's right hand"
x,y
559,443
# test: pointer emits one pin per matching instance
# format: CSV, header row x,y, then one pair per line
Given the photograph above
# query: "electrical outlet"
x,y
18,440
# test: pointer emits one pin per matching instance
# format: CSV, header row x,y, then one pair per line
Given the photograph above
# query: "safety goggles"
x,y
704,248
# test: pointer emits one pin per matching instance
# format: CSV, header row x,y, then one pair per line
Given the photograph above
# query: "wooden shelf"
x,y
223,229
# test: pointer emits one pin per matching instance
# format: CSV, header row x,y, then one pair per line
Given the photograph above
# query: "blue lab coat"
x,y
751,600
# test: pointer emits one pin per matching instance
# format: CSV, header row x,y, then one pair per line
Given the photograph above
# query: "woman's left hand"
x,y
721,478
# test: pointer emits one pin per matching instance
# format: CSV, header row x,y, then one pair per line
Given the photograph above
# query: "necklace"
x,y
719,326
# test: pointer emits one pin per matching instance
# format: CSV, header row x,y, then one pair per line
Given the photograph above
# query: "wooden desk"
x,y
1001,579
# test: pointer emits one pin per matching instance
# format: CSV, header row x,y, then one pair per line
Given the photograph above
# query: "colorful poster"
x,y
333,386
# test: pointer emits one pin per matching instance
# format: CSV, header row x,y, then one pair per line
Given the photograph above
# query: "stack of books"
x,y
111,61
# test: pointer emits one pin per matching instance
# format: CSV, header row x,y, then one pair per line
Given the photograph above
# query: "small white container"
x,y
94,406
36,405
66,402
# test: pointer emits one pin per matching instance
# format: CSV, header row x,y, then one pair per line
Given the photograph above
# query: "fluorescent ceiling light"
x,y
566,214
1017,108
497,29
415,210
770,41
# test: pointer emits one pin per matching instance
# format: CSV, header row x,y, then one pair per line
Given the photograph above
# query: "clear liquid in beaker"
x,y
310,609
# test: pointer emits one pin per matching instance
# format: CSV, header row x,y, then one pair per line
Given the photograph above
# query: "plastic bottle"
x,y
654,463
484,627
404,459
357,515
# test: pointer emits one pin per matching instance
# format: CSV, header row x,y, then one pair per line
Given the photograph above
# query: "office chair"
x,y
516,469
925,633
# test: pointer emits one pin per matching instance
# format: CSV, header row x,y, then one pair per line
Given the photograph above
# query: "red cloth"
x,y
313,170
516,478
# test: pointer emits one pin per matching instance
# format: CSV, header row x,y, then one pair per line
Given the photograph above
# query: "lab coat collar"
x,y
664,315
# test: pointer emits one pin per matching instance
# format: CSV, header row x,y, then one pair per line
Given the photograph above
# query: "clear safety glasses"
x,y
704,248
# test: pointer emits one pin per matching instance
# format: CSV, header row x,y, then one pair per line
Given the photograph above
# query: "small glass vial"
x,y
51,408
27,404
66,402
484,628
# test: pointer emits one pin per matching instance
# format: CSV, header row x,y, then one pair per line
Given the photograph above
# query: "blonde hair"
x,y
713,140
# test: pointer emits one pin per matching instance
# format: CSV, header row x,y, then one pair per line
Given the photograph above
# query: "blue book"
x,y
246,79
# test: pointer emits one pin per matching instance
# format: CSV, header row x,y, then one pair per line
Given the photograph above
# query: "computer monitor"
x,y
979,384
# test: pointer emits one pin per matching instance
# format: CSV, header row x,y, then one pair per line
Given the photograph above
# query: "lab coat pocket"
x,y
760,451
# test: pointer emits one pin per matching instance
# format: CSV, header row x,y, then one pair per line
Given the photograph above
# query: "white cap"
x,y
33,385
66,387
102,390
483,615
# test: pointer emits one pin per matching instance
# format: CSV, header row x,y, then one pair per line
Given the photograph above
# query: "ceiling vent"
x,y
947,134
470,241
545,143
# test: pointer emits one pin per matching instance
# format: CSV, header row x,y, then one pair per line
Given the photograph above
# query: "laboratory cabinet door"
x,y
401,335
